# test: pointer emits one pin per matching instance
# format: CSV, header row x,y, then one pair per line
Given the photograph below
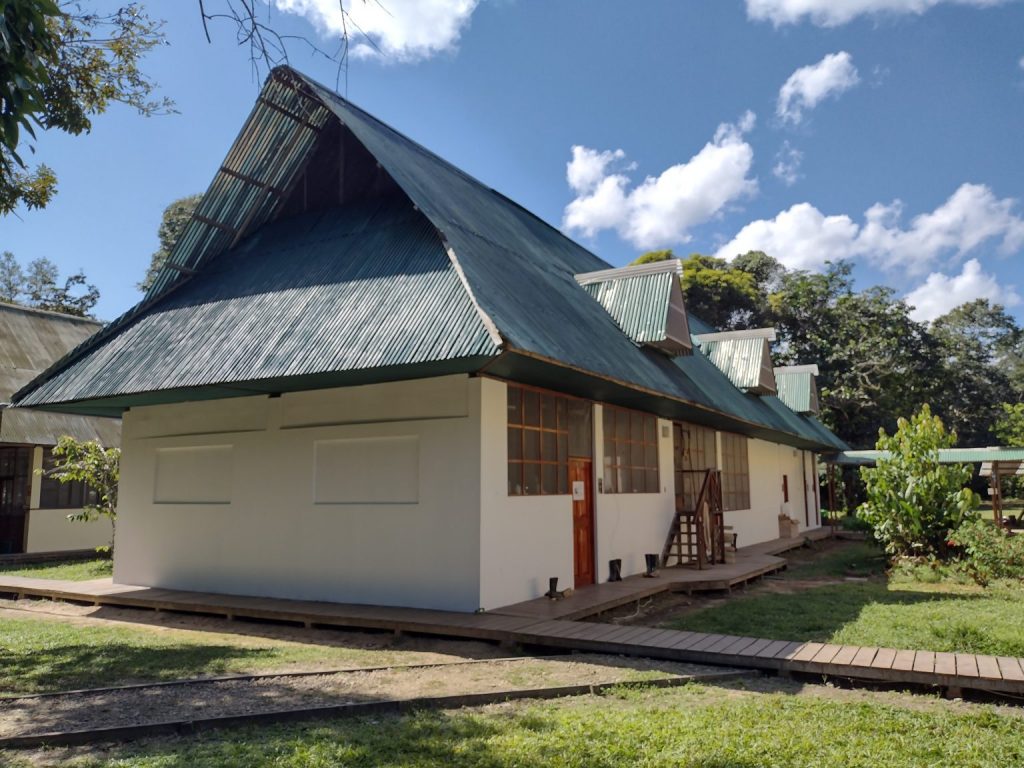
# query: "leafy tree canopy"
x,y
62,65
176,216
38,285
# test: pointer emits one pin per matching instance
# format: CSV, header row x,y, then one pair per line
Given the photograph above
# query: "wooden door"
x,y
581,484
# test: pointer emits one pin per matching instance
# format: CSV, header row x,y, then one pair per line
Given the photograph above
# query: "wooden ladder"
x,y
687,539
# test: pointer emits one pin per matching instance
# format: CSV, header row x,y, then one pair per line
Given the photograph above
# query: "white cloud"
x,y
787,164
809,85
802,237
833,13
401,30
661,209
941,293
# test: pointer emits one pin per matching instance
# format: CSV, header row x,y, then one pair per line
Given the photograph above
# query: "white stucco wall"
x,y
364,494
630,525
524,540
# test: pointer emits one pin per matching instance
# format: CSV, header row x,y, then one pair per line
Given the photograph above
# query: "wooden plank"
x,y
736,648
826,653
725,642
637,633
807,652
706,642
904,661
772,650
988,667
755,648
864,656
846,655
966,665
924,661
1010,668
686,640
664,638
945,664
884,658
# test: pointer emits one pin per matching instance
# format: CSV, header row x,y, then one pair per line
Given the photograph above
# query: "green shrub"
x,y
990,553
913,501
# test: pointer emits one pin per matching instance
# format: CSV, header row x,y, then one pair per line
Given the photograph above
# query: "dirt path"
x,y
65,712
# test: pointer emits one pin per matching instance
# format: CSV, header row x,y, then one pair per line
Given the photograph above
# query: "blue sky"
x,y
888,132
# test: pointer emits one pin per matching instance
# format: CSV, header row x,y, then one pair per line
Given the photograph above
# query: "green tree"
x,y
913,502
1009,427
43,290
12,278
60,66
977,343
175,217
875,361
98,468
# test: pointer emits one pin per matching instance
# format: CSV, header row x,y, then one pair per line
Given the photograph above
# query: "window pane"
x,y
637,480
651,455
531,444
563,479
531,479
548,412
548,447
636,426
650,429
531,408
563,416
636,454
581,428
515,405
563,453
515,479
622,425
549,478
651,480
515,443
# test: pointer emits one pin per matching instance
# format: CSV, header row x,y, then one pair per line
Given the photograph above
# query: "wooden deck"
x,y
881,665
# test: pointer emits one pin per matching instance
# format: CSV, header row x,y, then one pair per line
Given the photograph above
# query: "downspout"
x,y
807,503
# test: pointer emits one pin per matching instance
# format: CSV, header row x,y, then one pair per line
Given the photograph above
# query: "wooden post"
x,y
830,469
997,501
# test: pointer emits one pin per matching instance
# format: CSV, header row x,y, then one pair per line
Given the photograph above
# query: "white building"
x,y
365,377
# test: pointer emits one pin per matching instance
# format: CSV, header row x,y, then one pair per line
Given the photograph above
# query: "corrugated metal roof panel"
x,y
316,293
945,455
743,361
26,426
797,390
638,304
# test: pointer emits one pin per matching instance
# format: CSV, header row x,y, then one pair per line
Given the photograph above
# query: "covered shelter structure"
x,y
995,463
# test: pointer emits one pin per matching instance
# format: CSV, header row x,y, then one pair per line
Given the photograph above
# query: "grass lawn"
x,y
41,654
77,570
873,612
701,726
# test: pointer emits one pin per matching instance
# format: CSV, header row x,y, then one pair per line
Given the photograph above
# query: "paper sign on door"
x,y
578,493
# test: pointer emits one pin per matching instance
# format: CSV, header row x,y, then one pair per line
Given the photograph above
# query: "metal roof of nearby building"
x,y
746,361
797,388
477,281
945,456
30,341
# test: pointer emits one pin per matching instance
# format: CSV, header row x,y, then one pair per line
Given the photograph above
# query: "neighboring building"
x,y
34,509
363,376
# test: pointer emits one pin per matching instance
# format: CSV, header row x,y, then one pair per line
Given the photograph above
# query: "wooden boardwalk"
x,y
883,665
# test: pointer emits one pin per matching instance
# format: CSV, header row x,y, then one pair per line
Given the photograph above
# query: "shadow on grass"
x,y
73,666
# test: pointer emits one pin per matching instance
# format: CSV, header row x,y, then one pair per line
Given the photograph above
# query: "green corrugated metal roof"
x,y
253,314
742,360
638,304
946,455
313,294
797,390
